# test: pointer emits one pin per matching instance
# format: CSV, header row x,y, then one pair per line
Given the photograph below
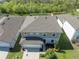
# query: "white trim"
x,y
60,23
69,30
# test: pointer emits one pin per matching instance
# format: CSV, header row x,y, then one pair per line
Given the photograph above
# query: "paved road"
x,y
3,53
30,55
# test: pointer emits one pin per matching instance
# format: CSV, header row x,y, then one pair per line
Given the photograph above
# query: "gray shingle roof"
x,y
11,28
43,24
73,20
62,17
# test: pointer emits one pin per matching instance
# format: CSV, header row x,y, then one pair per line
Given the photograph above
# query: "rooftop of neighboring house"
x,y
62,17
73,20
10,27
41,24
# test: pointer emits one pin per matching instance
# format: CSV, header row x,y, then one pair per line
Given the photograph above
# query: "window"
x,y
77,37
49,34
53,34
52,41
44,34
31,33
37,33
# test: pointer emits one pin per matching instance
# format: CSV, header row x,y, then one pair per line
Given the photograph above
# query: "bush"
x,y
42,55
21,8
50,54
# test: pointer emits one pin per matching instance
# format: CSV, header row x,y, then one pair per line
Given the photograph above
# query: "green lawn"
x,y
16,52
67,54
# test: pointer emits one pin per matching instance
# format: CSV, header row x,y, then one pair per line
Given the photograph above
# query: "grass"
x,y
16,52
67,54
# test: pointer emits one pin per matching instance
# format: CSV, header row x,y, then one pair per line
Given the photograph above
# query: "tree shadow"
x,y
17,47
64,43
55,56
61,51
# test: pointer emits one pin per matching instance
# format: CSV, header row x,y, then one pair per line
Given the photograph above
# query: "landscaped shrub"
x,y
49,54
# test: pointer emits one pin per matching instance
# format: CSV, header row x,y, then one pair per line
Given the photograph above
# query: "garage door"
x,y
3,44
4,49
32,49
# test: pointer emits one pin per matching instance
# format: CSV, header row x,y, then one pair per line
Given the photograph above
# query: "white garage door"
x,y
3,44
33,49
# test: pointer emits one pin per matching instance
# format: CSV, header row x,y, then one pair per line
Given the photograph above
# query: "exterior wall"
x,y
47,36
76,36
69,30
3,44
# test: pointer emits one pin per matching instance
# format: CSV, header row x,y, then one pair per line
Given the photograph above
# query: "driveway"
x,y
30,55
3,52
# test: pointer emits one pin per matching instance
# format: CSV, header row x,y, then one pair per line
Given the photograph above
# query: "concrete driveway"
x,y
30,55
3,52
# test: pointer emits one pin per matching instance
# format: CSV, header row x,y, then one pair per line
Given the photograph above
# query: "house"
x,y
38,32
70,25
9,30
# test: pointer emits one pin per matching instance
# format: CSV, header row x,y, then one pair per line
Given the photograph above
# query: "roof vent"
x,y
3,23
56,17
46,17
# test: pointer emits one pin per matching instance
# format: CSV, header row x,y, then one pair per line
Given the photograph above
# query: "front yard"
x,y
67,54
65,50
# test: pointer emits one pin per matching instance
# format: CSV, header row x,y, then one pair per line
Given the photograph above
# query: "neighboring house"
x,y
39,31
9,30
70,25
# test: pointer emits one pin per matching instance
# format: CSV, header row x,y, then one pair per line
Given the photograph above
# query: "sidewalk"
x,y
31,55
